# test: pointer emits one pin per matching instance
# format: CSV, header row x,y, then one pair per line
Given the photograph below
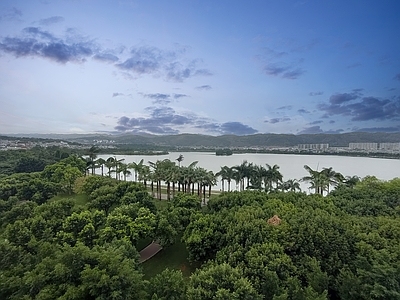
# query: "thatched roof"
x,y
274,220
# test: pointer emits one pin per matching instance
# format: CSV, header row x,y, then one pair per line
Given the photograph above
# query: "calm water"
x,y
291,166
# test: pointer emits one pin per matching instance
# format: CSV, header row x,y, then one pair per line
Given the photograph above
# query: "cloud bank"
x,y
165,120
361,108
171,65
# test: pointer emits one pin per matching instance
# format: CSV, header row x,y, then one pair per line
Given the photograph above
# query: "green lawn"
x,y
161,204
79,199
174,257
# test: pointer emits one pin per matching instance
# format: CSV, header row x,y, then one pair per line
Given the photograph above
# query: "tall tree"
x,y
273,176
101,162
180,159
136,167
92,154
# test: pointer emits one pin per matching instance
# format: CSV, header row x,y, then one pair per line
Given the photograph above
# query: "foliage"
x,y
225,152
220,281
341,246
167,285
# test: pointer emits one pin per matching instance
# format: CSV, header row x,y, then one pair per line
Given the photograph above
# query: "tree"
x,y
167,285
291,185
79,272
333,178
322,180
243,171
110,164
273,176
351,181
319,182
103,198
63,174
124,170
226,173
101,162
92,154
180,159
29,164
137,168
220,281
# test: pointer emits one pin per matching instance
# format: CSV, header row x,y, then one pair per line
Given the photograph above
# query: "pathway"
x,y
149,251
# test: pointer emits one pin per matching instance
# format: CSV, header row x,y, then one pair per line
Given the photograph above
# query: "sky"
x,y
199,66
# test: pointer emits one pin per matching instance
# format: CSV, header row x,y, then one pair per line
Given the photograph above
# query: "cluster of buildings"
x,y
26,144
364,147
16,144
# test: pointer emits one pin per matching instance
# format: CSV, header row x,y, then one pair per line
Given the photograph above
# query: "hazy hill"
x,y
263,140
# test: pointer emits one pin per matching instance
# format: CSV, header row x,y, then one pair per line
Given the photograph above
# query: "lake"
x,y
291,165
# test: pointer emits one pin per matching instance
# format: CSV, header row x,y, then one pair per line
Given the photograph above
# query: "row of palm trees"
x,y
252,176
193,179
321,181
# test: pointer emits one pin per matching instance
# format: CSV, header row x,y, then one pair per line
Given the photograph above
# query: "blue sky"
x,y
209,67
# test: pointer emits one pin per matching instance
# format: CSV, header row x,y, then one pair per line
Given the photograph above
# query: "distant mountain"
x,y
226,141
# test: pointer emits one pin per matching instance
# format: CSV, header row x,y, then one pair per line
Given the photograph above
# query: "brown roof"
x,y
274,220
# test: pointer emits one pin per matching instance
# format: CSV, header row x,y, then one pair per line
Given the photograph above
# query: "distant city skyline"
x,y
209,67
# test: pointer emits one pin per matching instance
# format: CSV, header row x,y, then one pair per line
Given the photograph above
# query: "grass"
x,y
79,199
161,204
174,257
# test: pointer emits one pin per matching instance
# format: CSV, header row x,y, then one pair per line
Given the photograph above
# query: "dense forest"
x,y
68,234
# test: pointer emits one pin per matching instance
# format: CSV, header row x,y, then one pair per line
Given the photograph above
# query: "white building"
x,y
389,146
313,146
363,146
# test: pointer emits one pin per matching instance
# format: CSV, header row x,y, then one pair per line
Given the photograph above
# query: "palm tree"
x,y
242,171
167,169
333,178
88,165
144,174
188,174
119,167
101,162
201,179
314,178
110,163
92,153
322,180
124,170
230,174
136,167
258,177
174,176
211,180
351,181
273,176
156,176
179,159
291,185
223,174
